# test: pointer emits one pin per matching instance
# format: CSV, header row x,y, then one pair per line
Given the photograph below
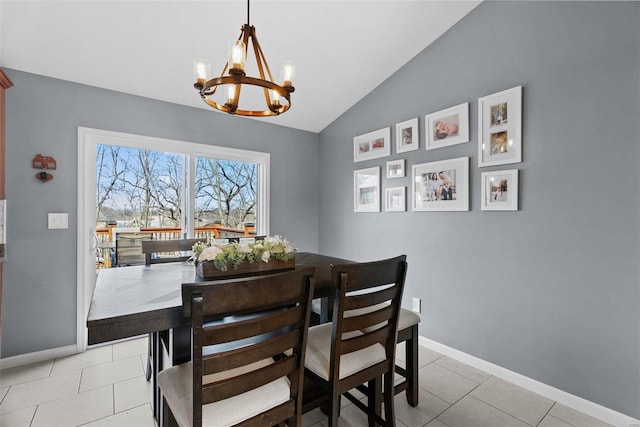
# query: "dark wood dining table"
x,y
137,300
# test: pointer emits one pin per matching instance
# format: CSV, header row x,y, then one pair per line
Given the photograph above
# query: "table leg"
x,y
156,356
180,345
326,309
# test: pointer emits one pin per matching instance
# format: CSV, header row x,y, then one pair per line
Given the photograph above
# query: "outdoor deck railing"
x,y
215,231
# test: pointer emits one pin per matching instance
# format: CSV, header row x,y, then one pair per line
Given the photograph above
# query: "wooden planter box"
x,y
207,270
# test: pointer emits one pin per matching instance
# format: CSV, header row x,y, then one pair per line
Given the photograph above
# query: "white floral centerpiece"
x,y
272,253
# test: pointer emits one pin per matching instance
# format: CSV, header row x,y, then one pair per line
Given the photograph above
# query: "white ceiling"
x,y
342,49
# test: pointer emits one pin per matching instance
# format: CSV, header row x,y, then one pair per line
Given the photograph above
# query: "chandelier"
x,y
277,97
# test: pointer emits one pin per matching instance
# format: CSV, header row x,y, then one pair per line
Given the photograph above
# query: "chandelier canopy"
x,y
277,97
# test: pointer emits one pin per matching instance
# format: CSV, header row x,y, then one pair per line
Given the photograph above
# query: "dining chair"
x,y
129,248
358,346
248,349
408,334
152,249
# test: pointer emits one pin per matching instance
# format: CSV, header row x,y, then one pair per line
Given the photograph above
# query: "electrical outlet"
x,y
416,305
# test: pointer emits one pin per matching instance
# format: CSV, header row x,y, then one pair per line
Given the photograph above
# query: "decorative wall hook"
x,y
44,177
44,162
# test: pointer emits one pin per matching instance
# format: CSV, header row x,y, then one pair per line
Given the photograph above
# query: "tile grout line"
x,y
547,413
33,417
5,395
504,412
451,405
427,391
51,369
113,399
462,375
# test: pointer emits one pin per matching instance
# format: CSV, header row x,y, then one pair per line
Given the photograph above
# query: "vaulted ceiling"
x,y
342,49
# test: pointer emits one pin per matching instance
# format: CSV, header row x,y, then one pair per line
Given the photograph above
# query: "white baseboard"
x,y
579,404
38,356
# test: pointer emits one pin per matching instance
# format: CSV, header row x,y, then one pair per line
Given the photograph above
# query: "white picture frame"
x,y
500,190
395,199
372,145
366,190
500,128
447,127
441,186
395,168
407,138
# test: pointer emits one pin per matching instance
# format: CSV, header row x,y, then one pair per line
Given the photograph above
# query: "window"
x,y
225,192
178,187
137,187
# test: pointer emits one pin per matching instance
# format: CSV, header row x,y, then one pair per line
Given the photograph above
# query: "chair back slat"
x,y
367,275
248,354
367,320
252,294
258,319
379,336
357,301
220,333
220,390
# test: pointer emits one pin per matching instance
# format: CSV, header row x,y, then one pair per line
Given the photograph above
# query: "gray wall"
x,y
43,114
551,291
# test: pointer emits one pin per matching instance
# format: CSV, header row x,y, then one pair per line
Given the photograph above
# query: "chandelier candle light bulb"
x,y
237,55
275,97
231,94
202,69
287,73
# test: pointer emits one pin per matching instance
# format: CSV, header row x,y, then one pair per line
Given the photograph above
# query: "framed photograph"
x,y
500,128
500,190
395,199
407,136
447,127
441,186
372,145
366,190
395,168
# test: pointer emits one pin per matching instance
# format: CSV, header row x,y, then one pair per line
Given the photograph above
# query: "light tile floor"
x,y
105,387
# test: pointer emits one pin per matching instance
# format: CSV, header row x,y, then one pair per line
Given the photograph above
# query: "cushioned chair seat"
x,y
407,319
319,353
176,385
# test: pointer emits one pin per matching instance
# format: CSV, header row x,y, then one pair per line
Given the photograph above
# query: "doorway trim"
x,y
88,140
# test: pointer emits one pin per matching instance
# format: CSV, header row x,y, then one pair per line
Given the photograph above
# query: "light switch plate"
x,y
58,220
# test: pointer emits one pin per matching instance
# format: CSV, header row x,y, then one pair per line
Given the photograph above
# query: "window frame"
x,y
88,139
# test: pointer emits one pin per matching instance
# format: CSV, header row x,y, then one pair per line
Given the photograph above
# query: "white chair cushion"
x,y
407,318
318,354
177,387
